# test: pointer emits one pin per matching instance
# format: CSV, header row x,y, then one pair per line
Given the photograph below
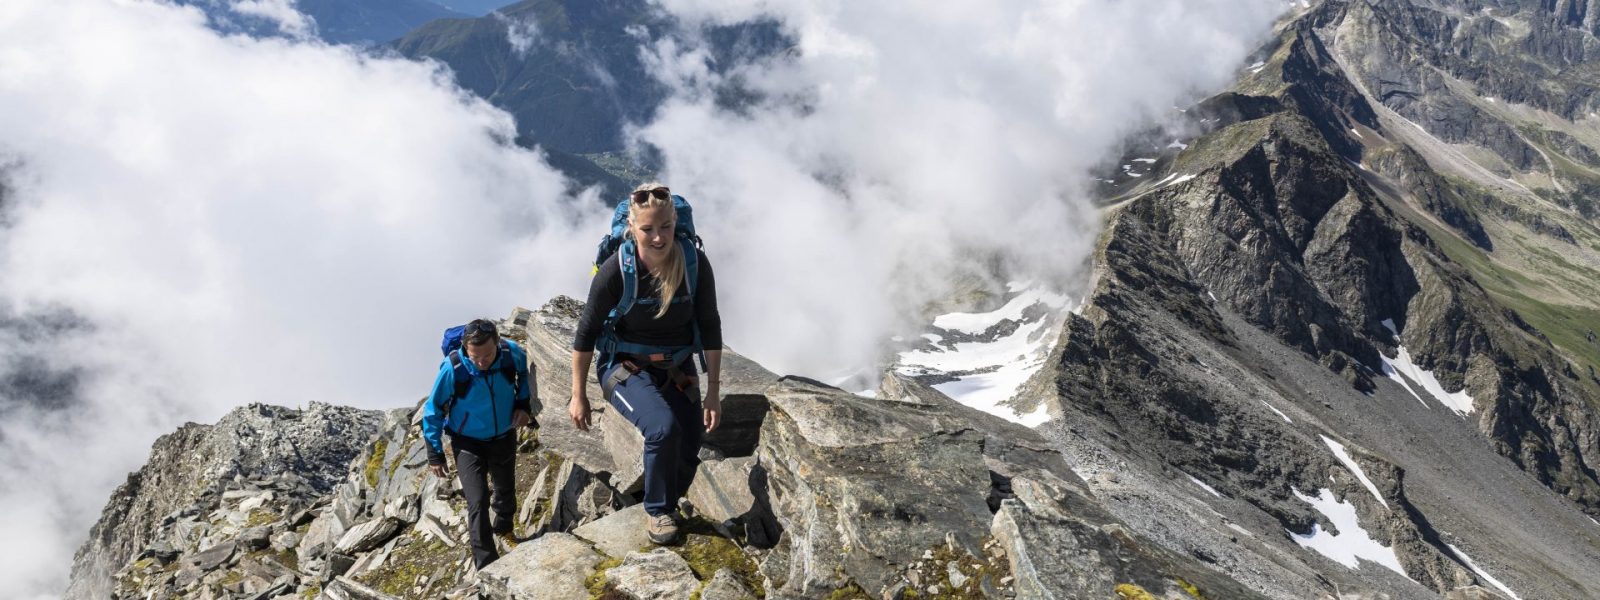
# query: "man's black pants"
x,y
479,464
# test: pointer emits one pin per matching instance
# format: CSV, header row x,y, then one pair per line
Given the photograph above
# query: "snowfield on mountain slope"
x,y
1401,364
988,369
1351,543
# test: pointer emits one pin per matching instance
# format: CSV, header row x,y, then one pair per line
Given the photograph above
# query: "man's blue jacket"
x,y
484,412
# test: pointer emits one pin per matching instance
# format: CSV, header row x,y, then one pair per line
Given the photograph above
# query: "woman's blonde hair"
x,y
670,273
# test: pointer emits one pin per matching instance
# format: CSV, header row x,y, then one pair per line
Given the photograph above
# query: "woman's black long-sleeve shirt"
x,y
640,325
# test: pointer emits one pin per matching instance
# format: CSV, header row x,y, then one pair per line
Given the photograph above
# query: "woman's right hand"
x,y
578,409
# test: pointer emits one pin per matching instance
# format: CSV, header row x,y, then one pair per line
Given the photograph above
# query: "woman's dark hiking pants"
x,y
672,425
479,464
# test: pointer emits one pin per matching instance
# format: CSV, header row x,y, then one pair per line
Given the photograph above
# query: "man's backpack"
x,y
616,242
451,346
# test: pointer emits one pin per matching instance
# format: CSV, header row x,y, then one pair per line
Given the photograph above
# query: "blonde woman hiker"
x,y
652,310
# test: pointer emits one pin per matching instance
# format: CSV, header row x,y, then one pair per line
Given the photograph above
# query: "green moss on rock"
x,y
707,554
259,517
400,457
850,591
398,576
1190,589
599,587
375,460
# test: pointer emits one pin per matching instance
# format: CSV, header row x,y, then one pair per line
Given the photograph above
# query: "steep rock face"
x,y
1295,240
863,487
195,465
1535,408
1133,371
1316,219
1451,204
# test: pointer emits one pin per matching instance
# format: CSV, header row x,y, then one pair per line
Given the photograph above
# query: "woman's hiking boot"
x,y
663,529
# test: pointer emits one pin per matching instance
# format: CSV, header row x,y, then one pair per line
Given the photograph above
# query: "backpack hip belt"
x,y
628,368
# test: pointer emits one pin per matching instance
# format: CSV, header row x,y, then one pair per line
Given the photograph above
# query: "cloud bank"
x,y
903,149
236,220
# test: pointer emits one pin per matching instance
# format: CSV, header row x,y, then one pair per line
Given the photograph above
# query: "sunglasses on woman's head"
x,y
660,193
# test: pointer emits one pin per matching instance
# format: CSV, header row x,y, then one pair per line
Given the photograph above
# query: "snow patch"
x,y
1236,527
1173,179
977,323
1257,66
1213,296
1036,418
1486,577
1351,543
1286,418
1401,364
1203,485
1350,463
1178,144
999,366
1145,160
1358,134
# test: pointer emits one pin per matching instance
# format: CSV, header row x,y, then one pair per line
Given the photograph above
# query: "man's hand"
x,y
712,405
439,471
519,419
578,409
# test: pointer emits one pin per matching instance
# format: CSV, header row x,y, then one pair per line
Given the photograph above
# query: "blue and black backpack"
x,y
451,346
616,242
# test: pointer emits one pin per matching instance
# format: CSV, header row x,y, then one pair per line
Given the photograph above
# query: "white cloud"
x,y
241,220
905,143
521,33
290,21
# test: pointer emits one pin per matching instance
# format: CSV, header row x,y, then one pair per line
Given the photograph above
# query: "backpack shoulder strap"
x,y
691,265
511,367
627,261
463,380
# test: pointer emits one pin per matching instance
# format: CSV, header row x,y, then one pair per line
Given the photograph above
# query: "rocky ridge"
x,y
178,499
808,492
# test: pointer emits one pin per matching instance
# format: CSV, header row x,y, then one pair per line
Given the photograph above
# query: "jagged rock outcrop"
x,y
178,498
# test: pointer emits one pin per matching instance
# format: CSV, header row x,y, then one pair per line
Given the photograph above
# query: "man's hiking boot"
x,y
507,541
663,529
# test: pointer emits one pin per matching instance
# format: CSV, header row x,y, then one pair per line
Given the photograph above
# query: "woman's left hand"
x,y
712,404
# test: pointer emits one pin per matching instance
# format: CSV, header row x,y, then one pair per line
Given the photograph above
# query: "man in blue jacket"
x,y
482,415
